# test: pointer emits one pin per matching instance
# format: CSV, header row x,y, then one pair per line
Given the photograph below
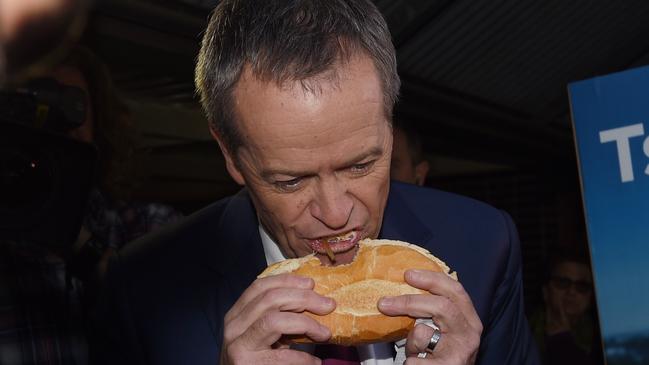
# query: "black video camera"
x,y
45,104
45,177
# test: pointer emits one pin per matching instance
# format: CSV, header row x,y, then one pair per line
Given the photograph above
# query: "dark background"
x,y
484,82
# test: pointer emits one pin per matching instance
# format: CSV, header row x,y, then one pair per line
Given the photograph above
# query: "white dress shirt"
x,y
373,354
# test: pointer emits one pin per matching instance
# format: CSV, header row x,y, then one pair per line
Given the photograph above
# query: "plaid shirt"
x,y
42,316
116,224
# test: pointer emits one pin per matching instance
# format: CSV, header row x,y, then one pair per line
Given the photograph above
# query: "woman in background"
x,y
47,296
566,328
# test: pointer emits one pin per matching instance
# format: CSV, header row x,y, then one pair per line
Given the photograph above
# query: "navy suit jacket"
x,y
167,294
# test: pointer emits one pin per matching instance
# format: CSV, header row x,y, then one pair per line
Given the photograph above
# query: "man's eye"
x,y
288,185
361,168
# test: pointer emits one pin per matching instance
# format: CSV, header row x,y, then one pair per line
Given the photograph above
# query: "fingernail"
x,y
415,274
329,302
386,302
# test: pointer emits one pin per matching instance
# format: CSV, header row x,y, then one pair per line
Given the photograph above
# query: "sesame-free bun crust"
x,y
377,271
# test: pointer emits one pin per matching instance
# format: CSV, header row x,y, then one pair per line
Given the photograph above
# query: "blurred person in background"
x,y
37,33
408,162
46,295
566,328
112,218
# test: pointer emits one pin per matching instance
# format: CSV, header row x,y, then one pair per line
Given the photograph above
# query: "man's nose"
x,y
332,204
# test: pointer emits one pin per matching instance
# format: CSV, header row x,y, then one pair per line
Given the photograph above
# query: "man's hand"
x,y
270,308
452,311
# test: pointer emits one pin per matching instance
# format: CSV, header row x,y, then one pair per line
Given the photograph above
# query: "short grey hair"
x,y
287,40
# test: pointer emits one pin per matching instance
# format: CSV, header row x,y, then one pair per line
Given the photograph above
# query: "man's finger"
x,y
279,299
442,284
268,329
418,340
261,285
420,361
442,310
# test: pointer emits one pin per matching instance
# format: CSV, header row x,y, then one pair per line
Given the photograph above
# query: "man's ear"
x,y
421,171
233,170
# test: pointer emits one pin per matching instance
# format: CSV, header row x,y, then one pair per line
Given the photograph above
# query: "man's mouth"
x,y
336,244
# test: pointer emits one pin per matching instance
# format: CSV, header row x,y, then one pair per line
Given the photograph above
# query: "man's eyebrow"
x,y
267,174
374,152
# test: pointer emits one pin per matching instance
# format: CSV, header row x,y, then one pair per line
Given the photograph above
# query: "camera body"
x,y
44,104
45,177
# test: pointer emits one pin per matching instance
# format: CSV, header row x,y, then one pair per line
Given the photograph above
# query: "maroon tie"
x,y
337,355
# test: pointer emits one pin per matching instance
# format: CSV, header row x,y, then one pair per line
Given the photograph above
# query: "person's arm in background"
x,y
31,32
507,338
15,14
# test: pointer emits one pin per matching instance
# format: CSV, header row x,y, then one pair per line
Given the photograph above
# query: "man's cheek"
x,y
301,204
287,211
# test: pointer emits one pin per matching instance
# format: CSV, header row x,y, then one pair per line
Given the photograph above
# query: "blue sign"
x,y
611,124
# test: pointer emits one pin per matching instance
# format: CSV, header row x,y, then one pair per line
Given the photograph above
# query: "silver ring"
x,y
434,339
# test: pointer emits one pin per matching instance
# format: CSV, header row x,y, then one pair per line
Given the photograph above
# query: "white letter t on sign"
x,y
621,136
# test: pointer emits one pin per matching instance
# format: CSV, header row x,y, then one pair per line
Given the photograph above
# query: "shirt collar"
x,y
271,249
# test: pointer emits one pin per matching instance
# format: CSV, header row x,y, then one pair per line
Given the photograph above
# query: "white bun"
x,y
377,271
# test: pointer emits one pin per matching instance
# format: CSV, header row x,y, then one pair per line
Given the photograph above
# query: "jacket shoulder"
x,y
445,207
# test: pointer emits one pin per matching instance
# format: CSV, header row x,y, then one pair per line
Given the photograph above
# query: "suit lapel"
x,y
236,252
234,256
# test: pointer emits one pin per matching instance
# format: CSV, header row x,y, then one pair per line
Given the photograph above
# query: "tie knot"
x,y
337,355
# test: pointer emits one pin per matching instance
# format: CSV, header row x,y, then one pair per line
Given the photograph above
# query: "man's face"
x,y
317,164
403,167
403,163
571,286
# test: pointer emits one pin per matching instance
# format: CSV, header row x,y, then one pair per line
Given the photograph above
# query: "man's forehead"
x,y
329,77
327,81
301,166
358,83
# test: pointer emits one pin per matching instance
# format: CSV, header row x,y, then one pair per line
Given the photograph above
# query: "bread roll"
x,y
377,271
